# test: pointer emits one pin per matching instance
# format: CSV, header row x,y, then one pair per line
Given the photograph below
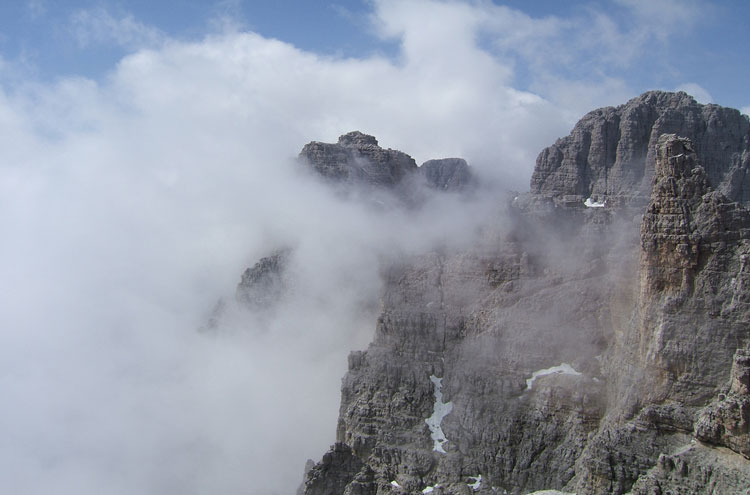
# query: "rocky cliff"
x,y
357,161
610,154
594,339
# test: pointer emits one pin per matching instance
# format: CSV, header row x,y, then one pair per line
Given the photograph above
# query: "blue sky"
x,y
702,43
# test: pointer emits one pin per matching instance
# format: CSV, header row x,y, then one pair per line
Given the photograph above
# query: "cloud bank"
x,y
128,205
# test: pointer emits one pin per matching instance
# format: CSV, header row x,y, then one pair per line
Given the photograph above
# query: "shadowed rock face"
x,y
448,174
263,284
610,152
579,348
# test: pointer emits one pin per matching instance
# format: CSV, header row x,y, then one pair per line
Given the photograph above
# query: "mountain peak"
x,y
357,139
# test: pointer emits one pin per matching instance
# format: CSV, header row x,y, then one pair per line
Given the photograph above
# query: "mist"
x,y
130,205
129,208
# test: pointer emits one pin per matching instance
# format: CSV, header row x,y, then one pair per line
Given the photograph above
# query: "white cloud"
x,y
99,26
131,204
745,110
696,91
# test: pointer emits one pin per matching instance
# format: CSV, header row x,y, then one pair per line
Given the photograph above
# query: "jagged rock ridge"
x,y
609,155
579,350
451,174
357,159
263,284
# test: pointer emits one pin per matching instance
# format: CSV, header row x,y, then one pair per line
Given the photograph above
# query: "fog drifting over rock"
x,y
130,205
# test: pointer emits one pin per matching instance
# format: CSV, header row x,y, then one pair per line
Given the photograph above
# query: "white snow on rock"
x,y
477,482
395,483
439,411
563,369
428,489
590,203
551,492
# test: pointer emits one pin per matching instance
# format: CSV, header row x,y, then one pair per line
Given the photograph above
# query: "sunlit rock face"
x,y
610,153
589,347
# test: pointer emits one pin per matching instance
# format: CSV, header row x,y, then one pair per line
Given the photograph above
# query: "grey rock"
x,y
357,159
264,284
726,421
696,469
334,473
580,349
448,174
358,163
674,349
609,154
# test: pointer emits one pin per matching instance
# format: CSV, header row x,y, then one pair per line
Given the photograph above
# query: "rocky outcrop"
x,y
572,348
336,473
609,155
448,174
263,285
356,163
672,354
726,421
694,242
357,159
695,469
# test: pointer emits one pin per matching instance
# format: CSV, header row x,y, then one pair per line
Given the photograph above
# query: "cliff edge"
x,y
597,344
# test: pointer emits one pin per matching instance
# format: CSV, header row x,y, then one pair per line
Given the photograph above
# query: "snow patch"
x,y
428,489
551,492
477,482
439,411
590,203
563,369
395,483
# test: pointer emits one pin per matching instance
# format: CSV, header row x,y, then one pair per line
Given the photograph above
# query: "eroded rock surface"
x,y
356,163
448,174
726,421
357,159
581,349
263,284
610,153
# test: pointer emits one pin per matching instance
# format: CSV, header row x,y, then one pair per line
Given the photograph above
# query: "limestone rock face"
x,y
726,421
264,283
694,243
572,348
357,159
451,174
610,153
674,353
334,473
